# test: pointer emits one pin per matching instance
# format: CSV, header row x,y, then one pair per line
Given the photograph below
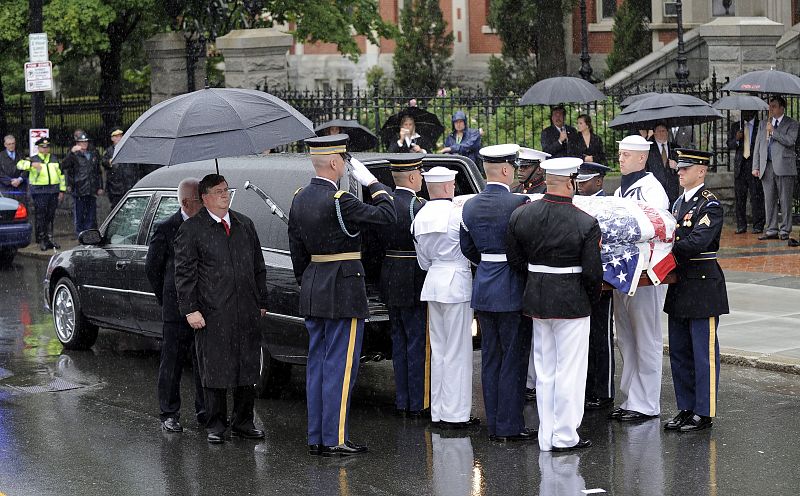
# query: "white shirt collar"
x,y
662,143
506,186
687,195
779,119
227,217
184,216
407,189
326,179
751,122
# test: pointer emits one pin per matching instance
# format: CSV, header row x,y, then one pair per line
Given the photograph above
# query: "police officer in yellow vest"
x,y
47,188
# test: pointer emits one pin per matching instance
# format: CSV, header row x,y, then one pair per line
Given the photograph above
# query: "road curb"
x,y
756,360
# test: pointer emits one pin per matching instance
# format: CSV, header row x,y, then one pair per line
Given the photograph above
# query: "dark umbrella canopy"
x,y
740,102
767,81
664,100
562,89
361,139
427,125
675,116
211,123
635,98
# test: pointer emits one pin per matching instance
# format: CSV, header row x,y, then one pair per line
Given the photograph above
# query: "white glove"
x,y
361,173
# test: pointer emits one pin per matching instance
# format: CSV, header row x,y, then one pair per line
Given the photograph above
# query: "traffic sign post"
x,y
37,47
38,76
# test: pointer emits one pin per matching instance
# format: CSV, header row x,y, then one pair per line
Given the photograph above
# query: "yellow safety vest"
x,y
50,173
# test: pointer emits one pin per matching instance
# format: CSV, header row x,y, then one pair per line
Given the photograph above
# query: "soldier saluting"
x,y
696,301
325,245
401,285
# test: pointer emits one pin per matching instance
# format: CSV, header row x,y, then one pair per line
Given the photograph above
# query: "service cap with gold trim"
x,y
117,132
327,145
688,157
406,162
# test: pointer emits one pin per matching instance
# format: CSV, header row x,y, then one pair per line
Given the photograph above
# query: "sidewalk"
x,y
762,330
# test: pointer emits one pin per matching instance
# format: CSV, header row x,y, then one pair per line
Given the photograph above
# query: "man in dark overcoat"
x,y
85,181
119,177
556,137
497,296
325,243
401,284
177,345
742,139
221,284
696,301
661,161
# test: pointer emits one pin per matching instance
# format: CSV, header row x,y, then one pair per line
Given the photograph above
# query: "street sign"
x,y
33,136
37,47
38,76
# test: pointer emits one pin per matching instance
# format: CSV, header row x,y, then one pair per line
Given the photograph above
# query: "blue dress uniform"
x,y
695,302
325,246
400,285
497,299
600,368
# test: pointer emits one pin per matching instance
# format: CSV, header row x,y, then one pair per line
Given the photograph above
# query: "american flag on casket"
x,y
636,238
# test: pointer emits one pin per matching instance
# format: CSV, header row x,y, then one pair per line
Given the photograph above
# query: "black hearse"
x,y
102,282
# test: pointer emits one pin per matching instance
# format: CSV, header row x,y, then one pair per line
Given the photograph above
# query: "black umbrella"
x,y
426,124
635,98
740,102
664,100
361,139
211,123
767,81
673,109
562,89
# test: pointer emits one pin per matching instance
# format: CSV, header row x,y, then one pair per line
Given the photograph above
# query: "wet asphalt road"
x,y
102,436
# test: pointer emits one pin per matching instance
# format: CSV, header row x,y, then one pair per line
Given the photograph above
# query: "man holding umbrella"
x,y
325,245
557,137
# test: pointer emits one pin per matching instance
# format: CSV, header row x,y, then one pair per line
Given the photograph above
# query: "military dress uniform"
x,y
528,157
325,246
559,246
400,285
45,185
600,370
497,300
695,302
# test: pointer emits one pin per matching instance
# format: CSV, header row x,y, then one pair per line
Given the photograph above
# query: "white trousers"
x,y
451,360
561,351
641,344
531,382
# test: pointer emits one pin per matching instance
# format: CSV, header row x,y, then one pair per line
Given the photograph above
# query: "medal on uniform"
x,y
687,219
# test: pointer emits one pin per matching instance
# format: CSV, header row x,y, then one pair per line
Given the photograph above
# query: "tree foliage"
x,y
631,35
422,57
532,33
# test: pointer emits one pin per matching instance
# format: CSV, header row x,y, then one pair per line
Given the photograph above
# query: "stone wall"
x,y
166,53
256,58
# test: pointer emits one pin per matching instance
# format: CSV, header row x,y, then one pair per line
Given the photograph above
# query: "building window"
x,y
322,85
345,86
721,8
609,8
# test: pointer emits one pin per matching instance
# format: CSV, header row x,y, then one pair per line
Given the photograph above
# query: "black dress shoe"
x,y
171,425
248,433
617,413
583,443
419,414
767,236
740,230
634,416
597,403
525,435
43,246
757,231
215,437
696,423
53,244
400,412
793,242
678,420
347,449
315,449
471,422
783,236
530,394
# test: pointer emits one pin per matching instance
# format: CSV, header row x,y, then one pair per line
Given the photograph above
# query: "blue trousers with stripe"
x,y
505,348
694,359
408,355
334,348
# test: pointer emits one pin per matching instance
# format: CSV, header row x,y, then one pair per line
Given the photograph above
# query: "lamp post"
x,y
586,69
682,72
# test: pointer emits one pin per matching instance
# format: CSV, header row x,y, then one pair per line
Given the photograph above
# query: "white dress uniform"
x,y
638,321
448,291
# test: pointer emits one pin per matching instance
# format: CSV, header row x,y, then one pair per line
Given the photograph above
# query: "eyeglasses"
x,y
220,192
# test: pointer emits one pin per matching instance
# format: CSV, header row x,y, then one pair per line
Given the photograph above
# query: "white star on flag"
x,y
632,231
627,256
615,261
622,276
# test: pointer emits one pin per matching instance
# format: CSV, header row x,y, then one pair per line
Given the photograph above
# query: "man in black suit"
x,y
661,161
177,345
557,137
742,139
12,184
221,282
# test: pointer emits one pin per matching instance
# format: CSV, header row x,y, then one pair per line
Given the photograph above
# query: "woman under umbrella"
x,y
411,130
408,141
588,146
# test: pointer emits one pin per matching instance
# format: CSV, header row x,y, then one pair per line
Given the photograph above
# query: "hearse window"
x,y
124,227
167,206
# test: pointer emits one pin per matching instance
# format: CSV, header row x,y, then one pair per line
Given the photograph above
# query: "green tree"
x,y
422,58
13,18
532,33
631,35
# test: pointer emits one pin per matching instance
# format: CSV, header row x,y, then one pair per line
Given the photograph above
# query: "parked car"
x,y
15,230
102,282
